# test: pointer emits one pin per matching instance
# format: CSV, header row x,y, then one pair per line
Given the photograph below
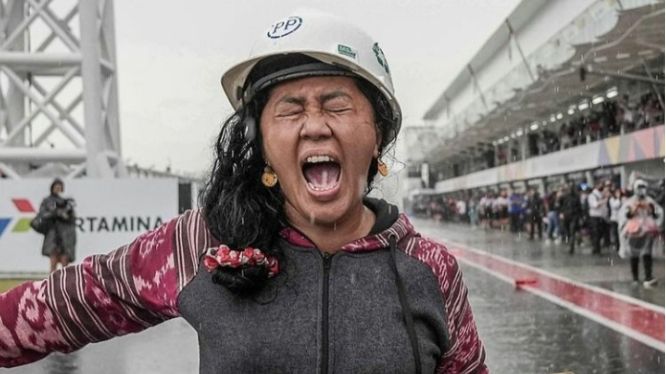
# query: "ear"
x,y
378,142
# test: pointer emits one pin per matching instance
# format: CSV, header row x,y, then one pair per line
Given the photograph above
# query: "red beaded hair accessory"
x,y
224,256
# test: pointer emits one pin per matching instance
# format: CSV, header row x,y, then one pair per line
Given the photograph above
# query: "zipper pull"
x,y
327,260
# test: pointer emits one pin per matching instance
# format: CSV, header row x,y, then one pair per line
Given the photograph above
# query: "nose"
x,y
315,126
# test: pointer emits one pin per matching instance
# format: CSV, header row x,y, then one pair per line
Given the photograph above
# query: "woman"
x,y
615,203
640,219
287,267
60,239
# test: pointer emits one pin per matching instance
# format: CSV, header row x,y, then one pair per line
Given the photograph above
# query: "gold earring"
x,y
269,178
382,168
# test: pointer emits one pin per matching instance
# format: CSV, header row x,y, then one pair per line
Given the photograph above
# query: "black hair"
x,y
56,182
239,210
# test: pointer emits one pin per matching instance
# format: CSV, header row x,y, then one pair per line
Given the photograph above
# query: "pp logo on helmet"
x,y
284,27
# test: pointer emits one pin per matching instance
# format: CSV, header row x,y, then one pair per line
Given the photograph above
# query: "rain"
x,y
531,149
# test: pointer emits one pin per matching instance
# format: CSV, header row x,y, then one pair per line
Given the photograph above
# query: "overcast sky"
x,y
171,55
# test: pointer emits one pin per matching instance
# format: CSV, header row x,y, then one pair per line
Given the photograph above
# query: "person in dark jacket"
x,y
534,213
288,267
571,211
60,240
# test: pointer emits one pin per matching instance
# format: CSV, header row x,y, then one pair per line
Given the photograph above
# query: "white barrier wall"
x,y
646,144
110,213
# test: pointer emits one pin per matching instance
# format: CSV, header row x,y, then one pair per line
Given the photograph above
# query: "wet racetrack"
x,y
523,332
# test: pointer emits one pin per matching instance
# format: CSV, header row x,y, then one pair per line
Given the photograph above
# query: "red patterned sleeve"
x,y
465,353
124,291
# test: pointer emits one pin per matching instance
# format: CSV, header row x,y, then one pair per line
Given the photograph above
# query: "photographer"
x,y
57,220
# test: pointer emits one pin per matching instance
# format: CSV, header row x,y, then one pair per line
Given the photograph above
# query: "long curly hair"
x,y
239,210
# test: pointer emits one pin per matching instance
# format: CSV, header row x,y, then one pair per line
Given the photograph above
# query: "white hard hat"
x,y
639,183
339,45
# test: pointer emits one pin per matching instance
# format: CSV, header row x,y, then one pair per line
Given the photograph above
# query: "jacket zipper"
x,y
324,314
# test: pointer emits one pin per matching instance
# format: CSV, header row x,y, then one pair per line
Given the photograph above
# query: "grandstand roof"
x,y
518,18
606,37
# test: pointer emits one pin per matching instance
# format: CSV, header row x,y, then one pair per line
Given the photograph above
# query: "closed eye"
x,y
289,113
338,110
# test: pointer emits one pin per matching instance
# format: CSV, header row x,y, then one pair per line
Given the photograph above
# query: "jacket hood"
x,y
388,222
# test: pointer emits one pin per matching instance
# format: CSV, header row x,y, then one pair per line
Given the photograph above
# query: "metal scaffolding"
x,y
58,89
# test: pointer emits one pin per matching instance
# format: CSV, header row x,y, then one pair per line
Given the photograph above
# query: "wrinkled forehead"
x,y
318,87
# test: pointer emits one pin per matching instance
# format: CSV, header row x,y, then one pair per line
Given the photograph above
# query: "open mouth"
x,y
321,172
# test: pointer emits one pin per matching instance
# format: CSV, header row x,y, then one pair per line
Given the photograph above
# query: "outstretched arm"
x,y
125,291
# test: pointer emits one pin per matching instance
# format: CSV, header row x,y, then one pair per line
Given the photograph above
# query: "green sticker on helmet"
x,y
380,57
346,51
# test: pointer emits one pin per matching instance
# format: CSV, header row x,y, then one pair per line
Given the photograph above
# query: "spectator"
x,y
461,208
534,143
614,203
473,211
501,210
599,214
57,215
594,128
609,124
565,136
486,207
535,213
553,203
516,204
571,211
640,218
584,221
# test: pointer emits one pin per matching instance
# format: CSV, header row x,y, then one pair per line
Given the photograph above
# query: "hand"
x,y
636,206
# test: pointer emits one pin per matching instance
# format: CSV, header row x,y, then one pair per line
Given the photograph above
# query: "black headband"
x,y
276,69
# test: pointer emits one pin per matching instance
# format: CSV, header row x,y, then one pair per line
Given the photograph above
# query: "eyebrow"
x,y
333,95
292,100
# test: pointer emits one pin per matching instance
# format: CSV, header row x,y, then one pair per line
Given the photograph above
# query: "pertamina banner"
x,y
110,213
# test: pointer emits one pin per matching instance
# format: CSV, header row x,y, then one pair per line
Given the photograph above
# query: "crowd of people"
x,y
573,215
613,117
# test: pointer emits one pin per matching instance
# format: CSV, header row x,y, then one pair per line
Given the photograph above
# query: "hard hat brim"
x,y
234,80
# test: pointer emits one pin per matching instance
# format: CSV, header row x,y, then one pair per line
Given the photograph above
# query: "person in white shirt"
x,y
614,203
597,202
461,207
481,209
501,210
